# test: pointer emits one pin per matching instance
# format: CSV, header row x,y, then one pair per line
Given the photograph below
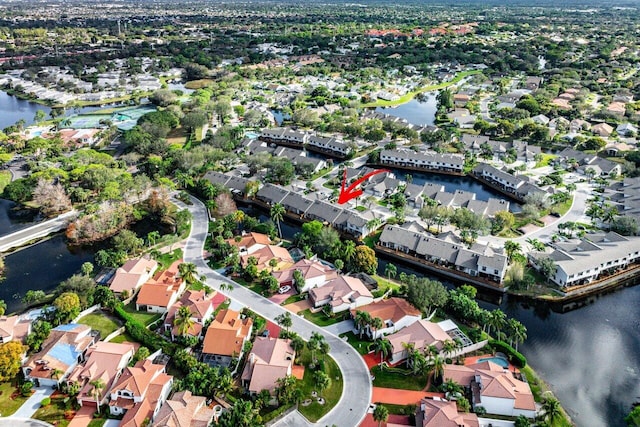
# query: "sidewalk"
x,y
32,404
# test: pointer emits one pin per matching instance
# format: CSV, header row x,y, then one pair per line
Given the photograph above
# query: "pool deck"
x,y
474,359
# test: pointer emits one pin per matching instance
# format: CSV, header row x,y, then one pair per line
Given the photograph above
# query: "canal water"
x,y
420,111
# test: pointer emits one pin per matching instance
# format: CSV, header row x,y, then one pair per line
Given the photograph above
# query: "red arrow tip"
x,y
348,194
351,192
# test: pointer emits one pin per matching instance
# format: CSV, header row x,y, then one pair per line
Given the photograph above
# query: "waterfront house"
x,y
14,328
437,412
139,393
430,161
518,186
158,294
105,361
60,353
185,410
225,338
342,293
133,274
328,145
582,261
420,334
270,359
494,388
396,313
271,194
296,203
324,212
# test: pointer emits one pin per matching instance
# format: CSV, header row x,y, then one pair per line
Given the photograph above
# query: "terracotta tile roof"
x,y
14,327
496,382
392,309
340,290
200,304
227,333
266,254
104,361
184,410
129,275
157,294
269,360
440,413
309,269
60,350
421,334
138,378
249,240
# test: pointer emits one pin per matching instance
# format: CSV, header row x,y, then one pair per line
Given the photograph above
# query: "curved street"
x,y
357,390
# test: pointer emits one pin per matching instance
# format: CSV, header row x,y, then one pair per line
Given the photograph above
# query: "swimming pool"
x,y
497,360
251,135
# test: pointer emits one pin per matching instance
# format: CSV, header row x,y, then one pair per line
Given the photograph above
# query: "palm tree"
x,y
238,217
373,224
349,250
98,385
277,214
3,307
511,248
188,272
316,343
284,320
497,320
152,237
390,270
536,244
448,347
361,320
383,346
55,373
436,365
517,332
375,324
551,408
380,414
184,180
183,320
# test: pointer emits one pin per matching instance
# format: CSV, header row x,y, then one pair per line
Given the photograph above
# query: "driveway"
x,y
83,417
32,404
340,327
352,407
297,307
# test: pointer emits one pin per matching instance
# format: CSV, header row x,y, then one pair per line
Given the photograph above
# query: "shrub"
x,y
25,389
46,401
514,357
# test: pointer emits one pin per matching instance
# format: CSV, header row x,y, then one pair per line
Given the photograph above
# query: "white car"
x,y
284,289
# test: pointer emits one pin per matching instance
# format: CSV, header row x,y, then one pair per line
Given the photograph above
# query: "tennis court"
x,y
124,118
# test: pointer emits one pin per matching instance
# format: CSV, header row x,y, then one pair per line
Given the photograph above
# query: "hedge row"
x,y
514,357
140,333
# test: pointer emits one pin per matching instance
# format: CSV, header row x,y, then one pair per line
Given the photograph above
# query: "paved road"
x,y
22,422
42,229
356,395
31,405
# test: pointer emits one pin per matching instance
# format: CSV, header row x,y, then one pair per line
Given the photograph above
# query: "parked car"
x,y
284,289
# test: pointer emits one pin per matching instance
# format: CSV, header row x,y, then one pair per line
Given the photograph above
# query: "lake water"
x,y
419,112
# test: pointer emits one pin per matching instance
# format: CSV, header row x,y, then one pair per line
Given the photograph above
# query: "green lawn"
x,y
320,318
409,96
294,298
141,316
546,159
315,411
361,345
372,239
53,413
123,337
97,422
384,283
165,260
538,388
100,322
5,178
398,378
9,405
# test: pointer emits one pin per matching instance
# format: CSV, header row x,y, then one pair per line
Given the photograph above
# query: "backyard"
x,y
101,322
398,378
141,316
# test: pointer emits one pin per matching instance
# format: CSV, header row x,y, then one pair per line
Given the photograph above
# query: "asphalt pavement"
x,y
352,407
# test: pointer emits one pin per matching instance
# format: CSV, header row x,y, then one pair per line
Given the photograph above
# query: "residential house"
x,y
517,185
269,360
184,410
342,293
330,146
438,412
133,274
284,136
266,254
582,261
533,83
602,129
323,212
590,163
420,334
139,393
616,108
226,337
216,178
248,243
396,313
479,260
314,273
271,194
14,328
201,306
157,295
352,223
626,129
296,203
382,188
463,118
105,362
461,99
427,161
237,185
494,388
61,352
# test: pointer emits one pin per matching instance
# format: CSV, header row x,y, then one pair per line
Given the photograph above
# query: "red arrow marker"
x,y
351,191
